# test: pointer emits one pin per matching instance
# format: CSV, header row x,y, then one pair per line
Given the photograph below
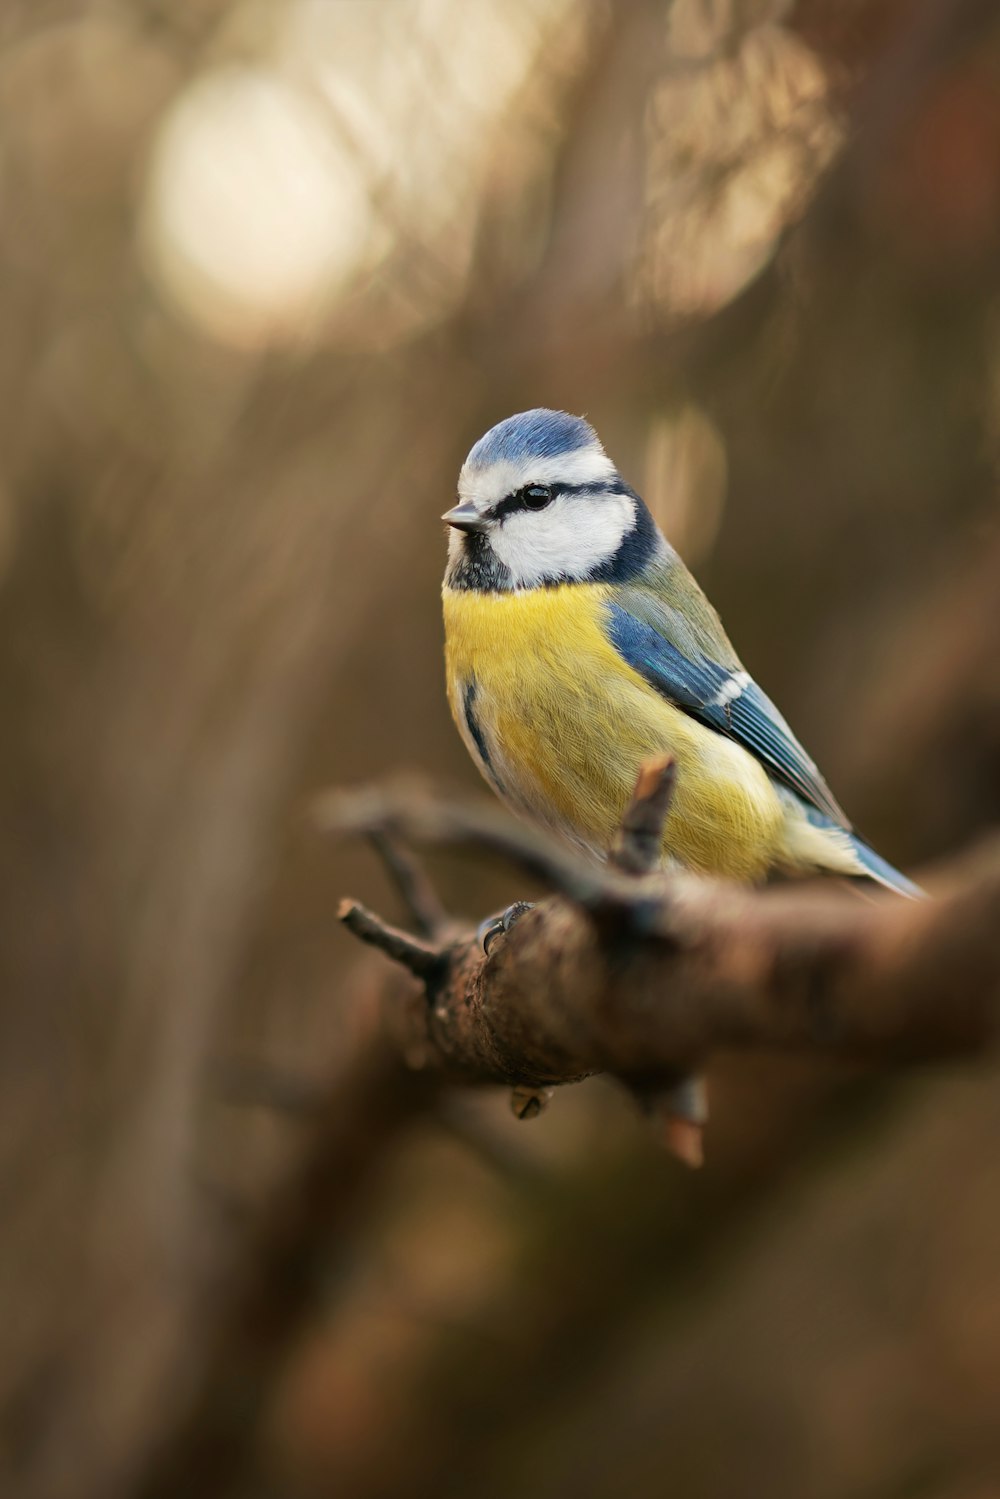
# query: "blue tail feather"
x,y
873,865
881,870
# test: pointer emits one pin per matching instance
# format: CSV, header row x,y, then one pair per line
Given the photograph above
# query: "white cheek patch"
x,y
569,538
486,487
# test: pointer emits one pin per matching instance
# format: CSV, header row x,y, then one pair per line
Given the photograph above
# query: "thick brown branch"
x,y
255,1317
793,969
704,966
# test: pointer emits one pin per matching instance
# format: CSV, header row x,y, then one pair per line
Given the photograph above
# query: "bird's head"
x,y
541,503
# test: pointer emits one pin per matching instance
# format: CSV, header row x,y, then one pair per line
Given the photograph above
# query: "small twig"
x,y
680,1110
423,817
405,812
410,879
639,846
423,960
678,1113
529,1102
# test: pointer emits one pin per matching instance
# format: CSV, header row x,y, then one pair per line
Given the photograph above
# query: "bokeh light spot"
x,y
253,218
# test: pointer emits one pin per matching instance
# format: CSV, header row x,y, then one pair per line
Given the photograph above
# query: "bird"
x,y
578,646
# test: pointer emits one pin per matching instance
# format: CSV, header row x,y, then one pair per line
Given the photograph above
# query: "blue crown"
x,y
532,434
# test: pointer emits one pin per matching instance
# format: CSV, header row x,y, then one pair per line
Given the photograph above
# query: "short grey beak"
x,y
465,517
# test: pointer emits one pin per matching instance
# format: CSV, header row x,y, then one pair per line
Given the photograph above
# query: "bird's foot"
x,y
499,925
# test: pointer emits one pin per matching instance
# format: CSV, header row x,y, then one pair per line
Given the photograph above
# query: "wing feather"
x,y
724,698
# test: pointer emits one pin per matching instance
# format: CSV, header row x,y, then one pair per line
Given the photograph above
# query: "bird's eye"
x,y
536,496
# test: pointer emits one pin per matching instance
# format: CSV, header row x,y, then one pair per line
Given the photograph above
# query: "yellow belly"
x,y
566,723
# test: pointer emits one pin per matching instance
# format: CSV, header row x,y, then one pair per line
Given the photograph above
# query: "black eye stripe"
x,y
519,501
513,503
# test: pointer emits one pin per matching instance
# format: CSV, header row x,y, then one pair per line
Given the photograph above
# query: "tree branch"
x,y
420,958
252,1319
637,850
411,881
690,966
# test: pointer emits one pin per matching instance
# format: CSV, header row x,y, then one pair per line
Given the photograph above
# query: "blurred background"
x,y
266,272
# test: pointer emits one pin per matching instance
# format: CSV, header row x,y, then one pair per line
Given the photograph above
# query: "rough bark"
x,y
644,976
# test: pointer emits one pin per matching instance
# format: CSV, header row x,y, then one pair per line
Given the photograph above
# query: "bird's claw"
x,y
498,926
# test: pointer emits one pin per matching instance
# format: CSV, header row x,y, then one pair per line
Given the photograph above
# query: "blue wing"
x,y
725,699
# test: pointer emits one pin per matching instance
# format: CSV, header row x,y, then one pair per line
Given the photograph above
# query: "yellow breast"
x,y
560,724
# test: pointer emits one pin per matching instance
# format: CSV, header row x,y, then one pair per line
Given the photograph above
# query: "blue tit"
x,y
578,645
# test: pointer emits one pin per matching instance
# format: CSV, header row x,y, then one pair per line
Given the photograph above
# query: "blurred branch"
x,y
416,890
637,850
645,976
254,1320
